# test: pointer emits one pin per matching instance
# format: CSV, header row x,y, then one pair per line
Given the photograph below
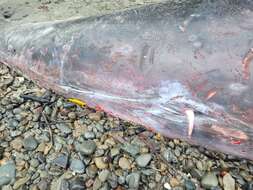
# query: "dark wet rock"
x,y
1,152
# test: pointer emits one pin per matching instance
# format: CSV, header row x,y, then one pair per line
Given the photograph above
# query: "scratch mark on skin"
x,y
211,94
190,117
230,132
246,64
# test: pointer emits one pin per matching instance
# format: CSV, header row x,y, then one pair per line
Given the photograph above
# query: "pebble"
x,y
100,163
41,157
89,135
77,184
248,186
17,143
7,187
64,185
114,152
20,182
200,166
43,184
131,149
34,163
228,182
72,115
196,173
189,185
103,175
12,124
77,166
91,171
124,163
143,160
86,148
167,186
7,173
79,129
169,156
30,143
1,152
209,180
61,161
174,182
97,184
95,116
64,128
133,180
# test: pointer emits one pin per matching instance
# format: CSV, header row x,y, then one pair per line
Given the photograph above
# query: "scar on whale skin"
x,y
248,58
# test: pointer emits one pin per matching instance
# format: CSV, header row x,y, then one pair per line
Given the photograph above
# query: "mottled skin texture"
x,y
151,65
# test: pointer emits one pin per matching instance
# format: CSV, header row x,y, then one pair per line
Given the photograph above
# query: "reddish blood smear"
x,y
236,142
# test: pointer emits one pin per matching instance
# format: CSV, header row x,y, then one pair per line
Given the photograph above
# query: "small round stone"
x,y
143,160
189,185
86,148
209,180
228,182
124,163
72,115
103,175
77,166
100,163
89,135
30,143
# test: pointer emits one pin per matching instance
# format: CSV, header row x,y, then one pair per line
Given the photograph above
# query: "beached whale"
x,y
182,69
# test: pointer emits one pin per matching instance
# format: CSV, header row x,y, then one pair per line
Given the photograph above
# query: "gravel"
x,y
87,149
